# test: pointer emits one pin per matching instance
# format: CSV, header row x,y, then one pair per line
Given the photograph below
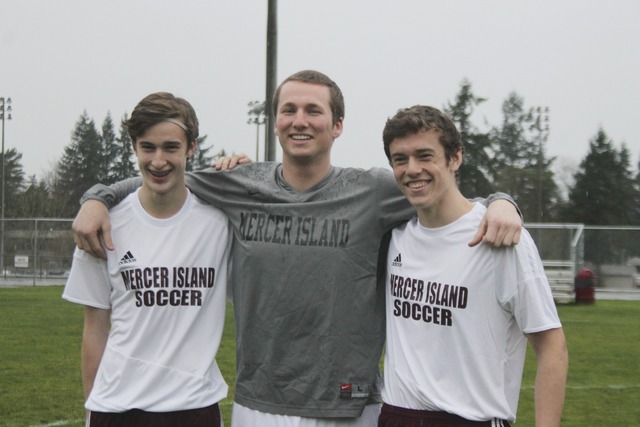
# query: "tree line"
x,y
509,156
92,156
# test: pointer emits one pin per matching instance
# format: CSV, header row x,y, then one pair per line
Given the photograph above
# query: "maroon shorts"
x,y
202,417
393,416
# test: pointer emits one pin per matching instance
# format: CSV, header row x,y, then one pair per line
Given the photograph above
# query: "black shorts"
x,y
393,416
202,417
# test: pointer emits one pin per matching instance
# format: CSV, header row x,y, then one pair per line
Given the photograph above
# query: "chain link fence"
x,y
40,251
612,252
36,250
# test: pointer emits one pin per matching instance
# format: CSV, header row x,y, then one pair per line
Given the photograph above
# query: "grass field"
x,y
40,382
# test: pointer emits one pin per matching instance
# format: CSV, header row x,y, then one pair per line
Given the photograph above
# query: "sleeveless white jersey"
x,y
456,317
165,284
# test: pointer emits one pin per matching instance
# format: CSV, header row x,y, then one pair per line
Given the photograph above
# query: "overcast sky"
x,y
581,58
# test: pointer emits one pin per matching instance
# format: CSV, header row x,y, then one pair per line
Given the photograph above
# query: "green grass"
x,y
603,388
40,380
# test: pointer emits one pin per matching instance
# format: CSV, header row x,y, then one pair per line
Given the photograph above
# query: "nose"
x,y
158,158
413,166
300,119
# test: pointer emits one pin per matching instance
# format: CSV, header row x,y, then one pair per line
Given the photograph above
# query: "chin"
x,y
419,203
160,188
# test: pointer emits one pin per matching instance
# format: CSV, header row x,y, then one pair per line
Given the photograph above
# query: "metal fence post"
x,y
35,250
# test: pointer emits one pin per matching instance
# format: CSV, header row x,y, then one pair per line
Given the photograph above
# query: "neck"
x,y
444,212
301,176
162,206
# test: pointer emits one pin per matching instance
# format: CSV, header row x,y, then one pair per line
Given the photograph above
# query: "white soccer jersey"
x,y
165,284
456,317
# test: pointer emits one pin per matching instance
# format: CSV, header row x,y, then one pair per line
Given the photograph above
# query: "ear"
x,y
192,149
337,128
456,160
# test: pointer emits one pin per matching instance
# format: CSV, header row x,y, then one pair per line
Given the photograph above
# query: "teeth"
x,y
419,184
300,137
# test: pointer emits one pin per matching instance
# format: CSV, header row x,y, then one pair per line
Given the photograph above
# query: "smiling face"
x,y
162,152
424,174
304,123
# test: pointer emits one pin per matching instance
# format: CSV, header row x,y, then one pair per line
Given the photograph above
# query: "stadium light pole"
x,y
272,59
5,114
257,117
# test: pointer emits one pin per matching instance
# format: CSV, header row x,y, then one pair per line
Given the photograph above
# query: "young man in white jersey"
x,y
309,314
154,310
458,318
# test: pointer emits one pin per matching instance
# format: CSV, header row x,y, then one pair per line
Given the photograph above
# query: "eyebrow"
x,y
308,105
161,144
418,151
425,150
397,155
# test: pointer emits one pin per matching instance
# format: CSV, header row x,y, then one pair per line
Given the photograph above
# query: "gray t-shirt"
x,y
309,313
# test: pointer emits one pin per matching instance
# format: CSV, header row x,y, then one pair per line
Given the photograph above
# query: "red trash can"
x,y
584,285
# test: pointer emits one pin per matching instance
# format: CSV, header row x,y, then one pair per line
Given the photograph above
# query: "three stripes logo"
x,y
128,258
397,261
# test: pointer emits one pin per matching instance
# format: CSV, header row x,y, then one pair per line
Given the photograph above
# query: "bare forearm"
x,y
90,363
94,340
549,397
551,380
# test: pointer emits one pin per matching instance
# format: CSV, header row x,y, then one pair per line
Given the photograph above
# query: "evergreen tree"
x,y
474,174
604,186
109,147
544,192
14,181
636,197
201,158
628,189
81,166
35,201
513,146
123,165
520,165
57,207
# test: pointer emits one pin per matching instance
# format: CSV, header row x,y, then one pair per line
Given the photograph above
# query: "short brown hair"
x,y
159,107
409,121
336,100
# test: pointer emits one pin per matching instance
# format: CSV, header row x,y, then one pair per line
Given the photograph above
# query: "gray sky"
x,y
581,58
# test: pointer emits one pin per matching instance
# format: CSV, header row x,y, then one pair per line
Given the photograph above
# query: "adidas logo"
x,y
397,261
128,258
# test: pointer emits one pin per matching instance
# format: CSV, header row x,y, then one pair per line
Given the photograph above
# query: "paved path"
x,y
12,282
617,294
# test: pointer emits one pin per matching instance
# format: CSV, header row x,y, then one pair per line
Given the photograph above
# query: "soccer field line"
x,y
58,423
593,387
